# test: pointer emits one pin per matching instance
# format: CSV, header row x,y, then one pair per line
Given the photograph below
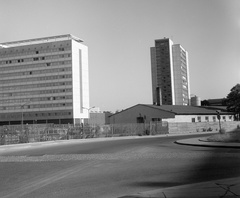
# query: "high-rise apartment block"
x,y
44,80
170,73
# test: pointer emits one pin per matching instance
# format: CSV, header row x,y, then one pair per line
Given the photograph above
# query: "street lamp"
x,y
22,106
88,109
219,118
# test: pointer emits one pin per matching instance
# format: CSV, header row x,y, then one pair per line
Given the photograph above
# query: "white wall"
x,y
80,76
188,118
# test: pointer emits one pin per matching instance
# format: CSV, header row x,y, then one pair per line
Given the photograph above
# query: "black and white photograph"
x,y
119,98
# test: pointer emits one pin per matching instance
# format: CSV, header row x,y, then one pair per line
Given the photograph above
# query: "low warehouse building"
x,y
143,113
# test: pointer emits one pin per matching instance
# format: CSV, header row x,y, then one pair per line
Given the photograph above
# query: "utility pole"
x,y
219,118
22,106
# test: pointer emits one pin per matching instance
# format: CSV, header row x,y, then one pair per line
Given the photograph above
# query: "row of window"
x,y
32,93
29,51
34,79
22,101
32,115
36,72
38,65
35,86
43,58
37,106
214,118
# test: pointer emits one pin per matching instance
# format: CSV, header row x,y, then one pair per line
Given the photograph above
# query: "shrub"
x,y
209,129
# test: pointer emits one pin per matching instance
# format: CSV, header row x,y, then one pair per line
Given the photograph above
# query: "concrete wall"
x,y
202,118
184,127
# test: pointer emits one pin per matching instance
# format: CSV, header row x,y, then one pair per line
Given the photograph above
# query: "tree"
x,y
204,103
233,100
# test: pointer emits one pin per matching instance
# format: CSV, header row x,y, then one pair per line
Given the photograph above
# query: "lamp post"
x,y
219,118
22,106
88,109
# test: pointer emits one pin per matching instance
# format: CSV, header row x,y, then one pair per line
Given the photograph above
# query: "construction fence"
x,y
15,134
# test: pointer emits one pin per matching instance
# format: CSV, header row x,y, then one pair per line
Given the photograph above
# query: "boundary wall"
x,y
194,127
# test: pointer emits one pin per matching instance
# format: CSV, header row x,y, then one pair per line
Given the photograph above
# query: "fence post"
x,y
112,130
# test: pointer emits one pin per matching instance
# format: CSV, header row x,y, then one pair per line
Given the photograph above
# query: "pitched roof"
x,y
188,110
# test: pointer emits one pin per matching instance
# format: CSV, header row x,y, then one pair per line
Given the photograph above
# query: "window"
x,y
140,119
193,119
214,118
199,118
224,118
207,119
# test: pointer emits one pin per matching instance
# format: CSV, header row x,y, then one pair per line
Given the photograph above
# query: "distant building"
x,y
98,118
144,113
214,102
44,80
170,73
195,101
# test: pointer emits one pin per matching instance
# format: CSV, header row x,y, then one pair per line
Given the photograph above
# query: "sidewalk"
x,y
218,188
224,188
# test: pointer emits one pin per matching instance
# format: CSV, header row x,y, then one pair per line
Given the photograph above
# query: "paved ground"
x,y
217,188
224,188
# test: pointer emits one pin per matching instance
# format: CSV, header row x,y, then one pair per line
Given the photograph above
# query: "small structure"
x,y
98,117
195,101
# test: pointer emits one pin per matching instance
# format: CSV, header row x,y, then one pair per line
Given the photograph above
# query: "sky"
x,y
119,34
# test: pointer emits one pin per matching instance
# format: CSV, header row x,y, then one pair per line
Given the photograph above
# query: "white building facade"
x,y
44,80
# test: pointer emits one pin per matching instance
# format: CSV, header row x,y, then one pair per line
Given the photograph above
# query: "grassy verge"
x,y
232,136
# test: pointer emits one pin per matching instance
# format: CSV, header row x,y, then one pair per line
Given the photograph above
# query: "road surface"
x,y
109,168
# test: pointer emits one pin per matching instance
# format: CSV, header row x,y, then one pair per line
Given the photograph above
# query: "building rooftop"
x,y
40,40
189,110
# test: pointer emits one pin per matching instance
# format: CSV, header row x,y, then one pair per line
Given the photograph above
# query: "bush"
x,y
209,129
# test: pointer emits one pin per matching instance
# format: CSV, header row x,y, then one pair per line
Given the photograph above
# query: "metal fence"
x,y
15,134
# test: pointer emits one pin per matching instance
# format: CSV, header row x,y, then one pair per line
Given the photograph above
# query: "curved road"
x,y
109,167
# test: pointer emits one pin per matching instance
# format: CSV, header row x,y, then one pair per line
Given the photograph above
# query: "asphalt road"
x,y
110,168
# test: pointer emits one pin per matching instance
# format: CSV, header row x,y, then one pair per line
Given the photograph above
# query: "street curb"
x,y
198,142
